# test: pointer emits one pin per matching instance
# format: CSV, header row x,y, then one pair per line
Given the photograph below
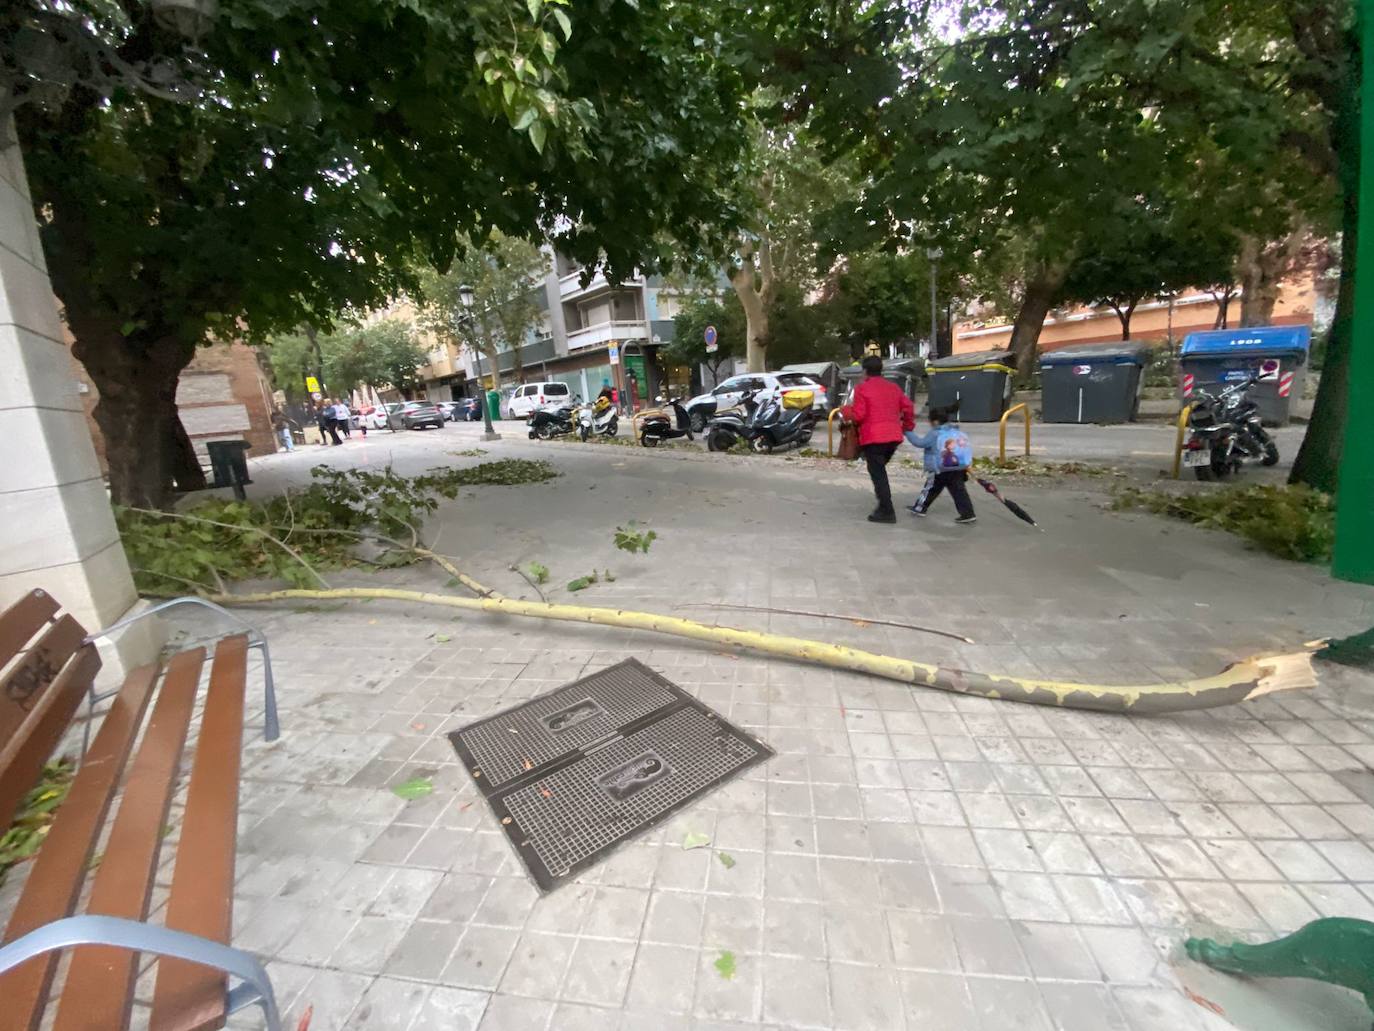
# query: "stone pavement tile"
x,y
1180,857
922,941
1063,853
793,929
1162,1009
908,886
1057,951
684,869
1352,858
950,846
1082,1007
937,809
967,891
795,992
1299,861
507,903
578,1017
1029,896
1002,1004
423,950
394,844
450,1009
842,838
1155,903
480,958
333,994
388,1005
1338,900
1007,850
406,893
856,935
457,897
895,841
318,936
742,876
1313,821
987,810
1240,860
988,946
733,923
511,1013
1204,820
936,1001
674,918
272,926
1039,813
1094,816
1281,905
537,965
1219,903
599,972
740,832
663,980
615,912
367,946
849,881
864,998
1257,820
561,912
1122,855
735,998
1358,819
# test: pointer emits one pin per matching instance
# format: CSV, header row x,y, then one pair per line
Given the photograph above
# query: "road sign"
x,y
1269,369
712,341
613,353
312,384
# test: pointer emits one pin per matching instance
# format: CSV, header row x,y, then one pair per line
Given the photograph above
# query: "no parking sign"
x,y
1269,369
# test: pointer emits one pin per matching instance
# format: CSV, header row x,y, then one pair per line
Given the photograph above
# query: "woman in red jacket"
x,y
883,413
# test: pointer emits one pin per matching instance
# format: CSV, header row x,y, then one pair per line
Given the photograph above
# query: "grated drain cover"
x,y
576,772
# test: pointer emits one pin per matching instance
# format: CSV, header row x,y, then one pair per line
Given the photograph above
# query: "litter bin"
x,y
494,405
1214,359
229,464
1093,382
907,373
979,382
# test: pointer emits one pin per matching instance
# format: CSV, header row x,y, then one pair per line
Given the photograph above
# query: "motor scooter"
x,y
731,425
666,422
598,417
552,421
782,422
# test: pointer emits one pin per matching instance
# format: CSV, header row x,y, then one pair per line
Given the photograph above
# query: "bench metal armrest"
x,y
256,639
92,929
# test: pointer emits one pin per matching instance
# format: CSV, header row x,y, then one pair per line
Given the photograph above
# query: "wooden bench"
x,y
50,663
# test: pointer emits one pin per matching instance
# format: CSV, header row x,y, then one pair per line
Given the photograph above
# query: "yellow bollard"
x,y
830,433
1178,441
1002,431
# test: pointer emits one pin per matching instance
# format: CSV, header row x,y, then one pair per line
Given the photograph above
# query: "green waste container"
x,y
979,382
494,405
229,464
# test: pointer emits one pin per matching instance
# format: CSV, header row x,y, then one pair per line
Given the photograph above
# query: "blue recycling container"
x,y
1215,359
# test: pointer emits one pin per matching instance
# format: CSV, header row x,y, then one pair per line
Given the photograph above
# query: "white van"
x,y
530,396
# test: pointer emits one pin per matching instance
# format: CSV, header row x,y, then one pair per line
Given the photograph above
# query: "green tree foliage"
x,y
506,299
882,296
376,354
688,346
329,142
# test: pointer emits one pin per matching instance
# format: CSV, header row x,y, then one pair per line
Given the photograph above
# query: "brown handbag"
x,y
849,441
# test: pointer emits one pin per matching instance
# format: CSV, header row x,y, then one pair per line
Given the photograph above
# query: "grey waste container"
x,y
979,382
907,373
1215,359
1097,383
229,464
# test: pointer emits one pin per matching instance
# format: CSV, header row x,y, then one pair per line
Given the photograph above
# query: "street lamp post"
x,y
934,254
468,297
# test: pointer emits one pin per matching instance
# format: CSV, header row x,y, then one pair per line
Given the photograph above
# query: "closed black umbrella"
x,y
1012,506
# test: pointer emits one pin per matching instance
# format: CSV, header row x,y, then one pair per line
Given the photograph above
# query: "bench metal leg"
x,y
256,639
91,929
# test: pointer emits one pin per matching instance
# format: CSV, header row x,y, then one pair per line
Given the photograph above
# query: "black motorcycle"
x,y
728,427
553,421
1225,431
777,425
666,422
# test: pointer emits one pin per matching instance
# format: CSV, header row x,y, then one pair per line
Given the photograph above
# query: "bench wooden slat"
x,y
22,620
30,746
24,685
55,880
99,989
189,996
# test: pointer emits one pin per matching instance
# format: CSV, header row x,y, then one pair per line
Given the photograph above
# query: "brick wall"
x,y
222,395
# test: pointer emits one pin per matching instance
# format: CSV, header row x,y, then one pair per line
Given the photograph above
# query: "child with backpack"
x,y
947,457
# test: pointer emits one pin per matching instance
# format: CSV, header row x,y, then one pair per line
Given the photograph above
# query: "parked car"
x,y
371,416
530,396
416,415
765,385
469,409
449,410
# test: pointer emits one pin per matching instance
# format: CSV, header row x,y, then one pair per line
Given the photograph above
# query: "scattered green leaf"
x,y
417,787
725,965
632,540
726,860
695,839
35,815
539,573
583,582
443,638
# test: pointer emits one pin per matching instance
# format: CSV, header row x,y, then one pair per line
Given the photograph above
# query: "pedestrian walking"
x,y
883,414
281,425
947,457
327,423
343,418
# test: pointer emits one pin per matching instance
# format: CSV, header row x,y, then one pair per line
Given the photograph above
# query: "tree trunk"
x,y
1223,300
1261,267
136,413
1042,288
1123,316
1319,458
755,316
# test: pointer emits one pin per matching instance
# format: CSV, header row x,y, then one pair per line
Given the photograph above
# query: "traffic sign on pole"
x,y
712,340
613,352
312,385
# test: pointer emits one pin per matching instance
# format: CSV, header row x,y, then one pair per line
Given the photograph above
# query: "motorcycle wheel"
x,y
718,440
1271,454
544,431
614,428
583,433
531,434
761,446
697,420
647,441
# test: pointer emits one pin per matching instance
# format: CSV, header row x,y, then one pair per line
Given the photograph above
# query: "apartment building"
x,y
573,344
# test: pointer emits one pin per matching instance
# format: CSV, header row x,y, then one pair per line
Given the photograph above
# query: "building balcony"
x,y
570,287
604,332
441,364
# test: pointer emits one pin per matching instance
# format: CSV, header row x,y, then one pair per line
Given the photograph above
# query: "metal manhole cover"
x,y
578,771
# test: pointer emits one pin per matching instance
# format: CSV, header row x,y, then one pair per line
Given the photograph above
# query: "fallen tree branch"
x,y
187,517
1243,680
825,615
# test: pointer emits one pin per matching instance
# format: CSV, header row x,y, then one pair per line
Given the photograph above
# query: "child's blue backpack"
x,y
952,449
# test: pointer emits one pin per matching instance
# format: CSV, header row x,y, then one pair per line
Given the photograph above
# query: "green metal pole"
x,y
1354,555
